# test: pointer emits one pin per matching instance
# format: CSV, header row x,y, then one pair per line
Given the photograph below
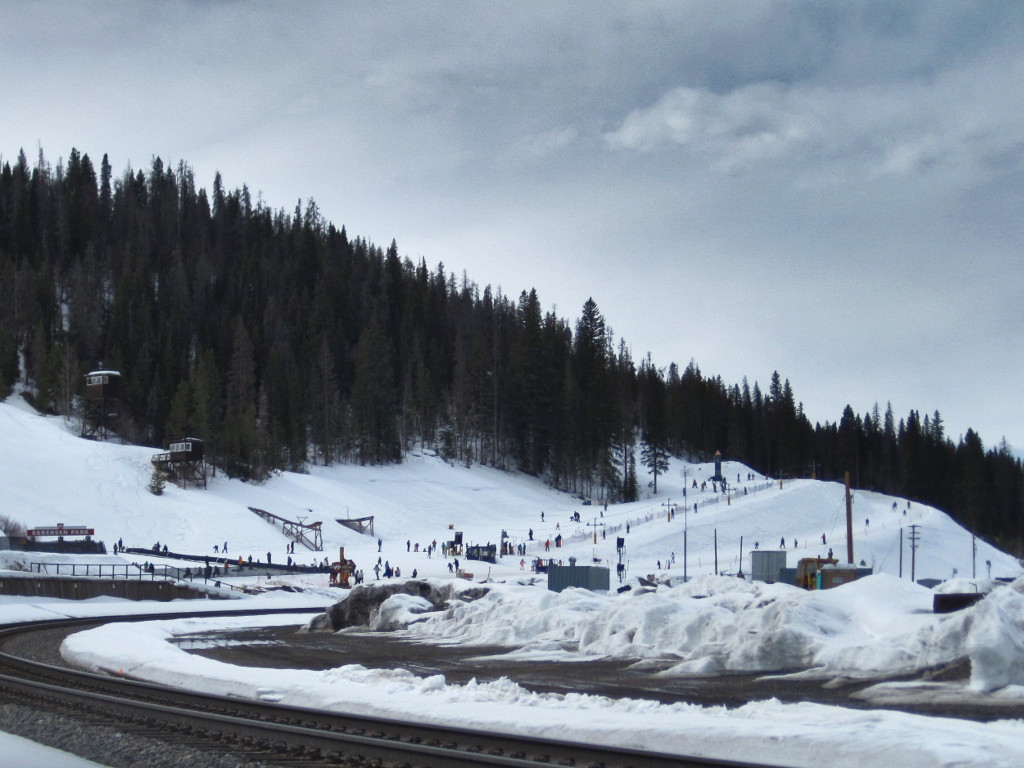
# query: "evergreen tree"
x,y
325,399
374,400
594,420
970,486
240,436
157,480
178,424
8,360
653,453
630,484
655,458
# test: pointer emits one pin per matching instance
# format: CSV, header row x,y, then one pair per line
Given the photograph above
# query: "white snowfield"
x,y
877,627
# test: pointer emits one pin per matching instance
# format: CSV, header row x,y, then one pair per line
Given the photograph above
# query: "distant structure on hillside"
x,y
184,462
718,477
102,404
309,535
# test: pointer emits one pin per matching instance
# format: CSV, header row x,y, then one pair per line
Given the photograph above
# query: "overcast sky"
x,y
831,190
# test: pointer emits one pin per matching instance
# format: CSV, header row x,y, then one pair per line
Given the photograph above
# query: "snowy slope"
x,y
50,476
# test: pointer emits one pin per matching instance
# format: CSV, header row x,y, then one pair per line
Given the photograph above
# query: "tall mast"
x,y
849,522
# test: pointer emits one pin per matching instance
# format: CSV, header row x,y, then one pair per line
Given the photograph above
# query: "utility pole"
x,y
914,536
716,552
849,522
686,577
974,557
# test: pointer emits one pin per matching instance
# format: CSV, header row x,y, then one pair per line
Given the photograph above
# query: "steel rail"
x,y
303,734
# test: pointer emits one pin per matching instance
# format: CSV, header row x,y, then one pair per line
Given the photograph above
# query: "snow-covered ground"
x,y
879,626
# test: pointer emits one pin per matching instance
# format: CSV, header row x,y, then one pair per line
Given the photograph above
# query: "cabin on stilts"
x,y
184,462
102,404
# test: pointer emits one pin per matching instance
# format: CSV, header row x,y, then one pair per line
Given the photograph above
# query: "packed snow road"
x,y
284,647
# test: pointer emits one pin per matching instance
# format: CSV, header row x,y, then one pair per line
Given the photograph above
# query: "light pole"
x,y
685,543
974,556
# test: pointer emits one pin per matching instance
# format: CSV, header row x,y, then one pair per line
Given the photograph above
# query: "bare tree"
x,y
11,527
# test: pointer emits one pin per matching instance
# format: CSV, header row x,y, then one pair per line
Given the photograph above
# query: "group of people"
x,y
381,569
222,565
384,568
430,549
206,572
547,543
509,548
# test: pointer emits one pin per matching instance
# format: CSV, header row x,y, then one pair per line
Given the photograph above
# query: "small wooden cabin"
x,y
102,404
184,461
188,449
102,385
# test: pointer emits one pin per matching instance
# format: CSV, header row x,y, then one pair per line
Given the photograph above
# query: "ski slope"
x,y
51,476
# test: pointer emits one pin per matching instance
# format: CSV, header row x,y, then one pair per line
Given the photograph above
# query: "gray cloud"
x,y
829,189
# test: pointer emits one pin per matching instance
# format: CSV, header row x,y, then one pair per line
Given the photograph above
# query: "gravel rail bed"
x,y
163,726
109,745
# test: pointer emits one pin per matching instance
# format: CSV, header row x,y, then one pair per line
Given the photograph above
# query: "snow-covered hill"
x,y
49,475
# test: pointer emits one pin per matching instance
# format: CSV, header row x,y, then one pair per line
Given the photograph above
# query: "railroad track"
x,y
284,735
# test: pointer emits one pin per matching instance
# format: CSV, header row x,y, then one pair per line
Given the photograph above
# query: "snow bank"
x,y
784,734
399,611
879,626
995,642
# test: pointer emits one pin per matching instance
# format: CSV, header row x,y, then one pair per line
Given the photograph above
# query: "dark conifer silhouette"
x,y
280,340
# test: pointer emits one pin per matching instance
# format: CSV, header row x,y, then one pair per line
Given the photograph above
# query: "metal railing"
x,y
135,572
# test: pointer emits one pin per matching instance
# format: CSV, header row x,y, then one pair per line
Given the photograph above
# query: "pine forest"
x,y
283,342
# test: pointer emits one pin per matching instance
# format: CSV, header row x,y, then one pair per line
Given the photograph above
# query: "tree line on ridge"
x,y
283,342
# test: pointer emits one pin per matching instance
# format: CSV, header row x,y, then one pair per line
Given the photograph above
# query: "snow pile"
x,y
995,642
876,627
967,586
399,611
793,735
369,605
